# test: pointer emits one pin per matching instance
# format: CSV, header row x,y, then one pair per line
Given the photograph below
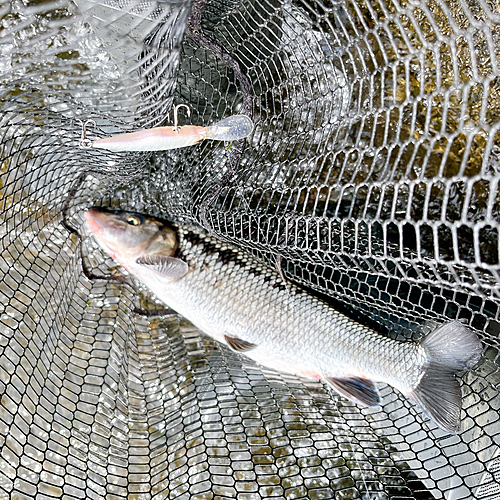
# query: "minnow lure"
x,y
229,129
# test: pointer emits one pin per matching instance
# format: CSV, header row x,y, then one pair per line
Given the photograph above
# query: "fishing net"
x,y
371,179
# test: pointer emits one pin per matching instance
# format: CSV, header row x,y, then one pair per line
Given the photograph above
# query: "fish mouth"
x,y
99,221
93,221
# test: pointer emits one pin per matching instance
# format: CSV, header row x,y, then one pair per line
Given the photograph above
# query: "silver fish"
x,y
233,298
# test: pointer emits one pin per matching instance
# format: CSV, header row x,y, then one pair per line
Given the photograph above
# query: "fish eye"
x,y
133,220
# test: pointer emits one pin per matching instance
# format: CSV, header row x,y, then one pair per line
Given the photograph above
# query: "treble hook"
x,y
84,142
176,127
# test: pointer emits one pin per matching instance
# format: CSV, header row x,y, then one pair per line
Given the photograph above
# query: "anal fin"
x,y
357,389
239,345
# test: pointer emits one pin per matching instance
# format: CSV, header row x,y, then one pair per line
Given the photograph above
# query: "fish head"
x,y
127,236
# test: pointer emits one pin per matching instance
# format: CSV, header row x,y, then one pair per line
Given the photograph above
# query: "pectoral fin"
x,y
167,267
360,390
239,345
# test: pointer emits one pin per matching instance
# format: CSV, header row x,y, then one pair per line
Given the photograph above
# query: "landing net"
x,y
371,178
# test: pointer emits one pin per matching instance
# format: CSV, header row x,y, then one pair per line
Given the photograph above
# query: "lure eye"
x,y
133,220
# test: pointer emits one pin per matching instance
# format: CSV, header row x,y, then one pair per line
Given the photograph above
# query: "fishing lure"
x,y
229,129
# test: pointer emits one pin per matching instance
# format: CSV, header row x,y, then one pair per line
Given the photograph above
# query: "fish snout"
x,y
92,223
97,219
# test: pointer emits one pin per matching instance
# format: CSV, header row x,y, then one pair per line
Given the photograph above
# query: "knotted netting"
x,y
371,178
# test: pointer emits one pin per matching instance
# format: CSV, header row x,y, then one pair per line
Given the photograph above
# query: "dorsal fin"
x,y
357,389
239,345
168,267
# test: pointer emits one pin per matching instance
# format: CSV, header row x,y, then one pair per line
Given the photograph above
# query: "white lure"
x,y
232,128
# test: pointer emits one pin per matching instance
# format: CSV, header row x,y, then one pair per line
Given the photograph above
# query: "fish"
x,y
232,128
238,301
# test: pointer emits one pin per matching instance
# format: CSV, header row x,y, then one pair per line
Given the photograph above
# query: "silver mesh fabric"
x,y
371,178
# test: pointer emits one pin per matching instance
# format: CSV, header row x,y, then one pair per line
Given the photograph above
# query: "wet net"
x,y
371,178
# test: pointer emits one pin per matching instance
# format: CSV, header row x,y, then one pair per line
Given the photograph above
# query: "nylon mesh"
x,y
371,179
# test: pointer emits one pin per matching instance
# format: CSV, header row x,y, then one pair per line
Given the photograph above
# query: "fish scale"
x,y
232,297
271,314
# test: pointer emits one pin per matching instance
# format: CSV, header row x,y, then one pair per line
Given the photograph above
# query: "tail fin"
x,y
450,349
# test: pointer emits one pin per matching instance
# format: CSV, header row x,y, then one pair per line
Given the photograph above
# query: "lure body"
x,y
162,138
154,139
233,298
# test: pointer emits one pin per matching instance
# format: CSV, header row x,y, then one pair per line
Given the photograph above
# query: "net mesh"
x,y
371,178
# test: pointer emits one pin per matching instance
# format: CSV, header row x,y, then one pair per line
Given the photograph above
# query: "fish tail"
x,y
451,348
